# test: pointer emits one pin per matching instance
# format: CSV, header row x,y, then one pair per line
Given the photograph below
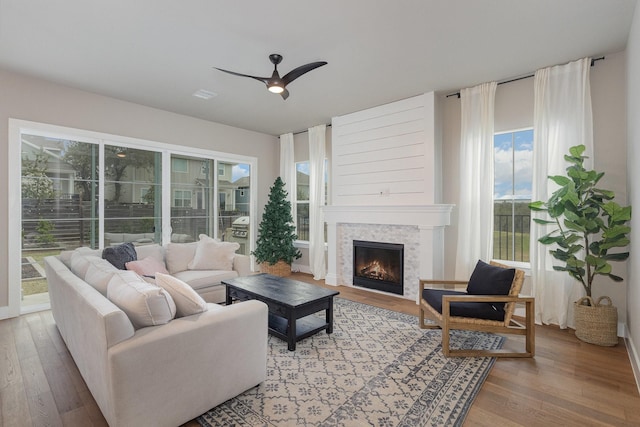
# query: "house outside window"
x,y
182,198
179,165
513,175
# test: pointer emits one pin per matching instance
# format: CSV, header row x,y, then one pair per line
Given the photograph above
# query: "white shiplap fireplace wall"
x,y
385,186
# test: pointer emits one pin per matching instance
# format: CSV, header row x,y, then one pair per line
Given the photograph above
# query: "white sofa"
x,y
160,375
176,257
112,239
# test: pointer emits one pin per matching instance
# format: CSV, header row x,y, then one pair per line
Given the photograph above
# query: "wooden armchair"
x,y
491,311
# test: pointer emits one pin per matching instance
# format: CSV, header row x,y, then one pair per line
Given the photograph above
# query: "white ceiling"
x,y
159,52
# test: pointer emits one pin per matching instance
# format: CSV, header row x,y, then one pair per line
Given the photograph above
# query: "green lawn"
x,y
503,246
37,286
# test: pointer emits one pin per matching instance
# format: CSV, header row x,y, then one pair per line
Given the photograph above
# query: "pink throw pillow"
x,y
148,266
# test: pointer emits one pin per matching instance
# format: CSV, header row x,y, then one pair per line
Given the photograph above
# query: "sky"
x,y
240,170
513,164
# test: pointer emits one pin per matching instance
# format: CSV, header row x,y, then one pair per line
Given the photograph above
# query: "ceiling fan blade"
x,y
297,72
260,79
284,94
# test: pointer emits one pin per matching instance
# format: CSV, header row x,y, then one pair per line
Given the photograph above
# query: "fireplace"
x,y
378,266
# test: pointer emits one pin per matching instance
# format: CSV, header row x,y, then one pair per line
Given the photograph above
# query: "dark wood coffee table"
x,y
291,304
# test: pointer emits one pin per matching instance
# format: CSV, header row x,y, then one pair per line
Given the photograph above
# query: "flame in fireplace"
x,y
374,270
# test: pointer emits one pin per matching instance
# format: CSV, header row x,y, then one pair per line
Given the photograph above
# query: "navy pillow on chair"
x,y
488,279
120,255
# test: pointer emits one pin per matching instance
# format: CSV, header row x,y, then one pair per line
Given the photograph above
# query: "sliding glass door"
x,y
192,198
234,204
59,193
89,190
132,195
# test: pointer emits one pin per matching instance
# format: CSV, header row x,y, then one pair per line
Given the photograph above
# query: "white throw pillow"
x,y
145,304
179,255
155,251
187,300
213,255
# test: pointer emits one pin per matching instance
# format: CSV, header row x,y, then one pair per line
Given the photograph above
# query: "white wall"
x,y
514,110
36,100
386,155
633,180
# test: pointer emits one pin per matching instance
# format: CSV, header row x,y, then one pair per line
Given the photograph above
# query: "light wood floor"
x,y
568,383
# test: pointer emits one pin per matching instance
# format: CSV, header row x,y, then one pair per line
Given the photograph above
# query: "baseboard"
x,y
622,330
302,268
634,358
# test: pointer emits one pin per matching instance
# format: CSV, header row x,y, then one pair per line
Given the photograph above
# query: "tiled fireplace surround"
x,y
419,228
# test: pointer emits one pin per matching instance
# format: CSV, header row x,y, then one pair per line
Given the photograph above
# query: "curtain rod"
x,y
307,130
515,79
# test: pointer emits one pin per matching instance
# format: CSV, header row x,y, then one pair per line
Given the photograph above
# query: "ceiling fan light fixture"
x,y
276,88
275,83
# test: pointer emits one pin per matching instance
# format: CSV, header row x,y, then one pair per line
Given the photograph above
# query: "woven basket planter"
x,y
280,268
596,323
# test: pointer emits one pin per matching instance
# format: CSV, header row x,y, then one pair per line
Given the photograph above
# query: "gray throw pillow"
x,y
120,255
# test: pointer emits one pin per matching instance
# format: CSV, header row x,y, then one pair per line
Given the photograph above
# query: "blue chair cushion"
x,y
478,310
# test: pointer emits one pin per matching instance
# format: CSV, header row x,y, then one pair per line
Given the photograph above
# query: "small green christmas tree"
x,y
276,232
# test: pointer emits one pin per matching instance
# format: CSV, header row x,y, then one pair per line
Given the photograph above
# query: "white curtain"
x,y
316,200
562,118
287,168
475,208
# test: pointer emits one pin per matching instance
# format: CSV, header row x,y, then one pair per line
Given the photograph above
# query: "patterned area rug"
x,y
378,368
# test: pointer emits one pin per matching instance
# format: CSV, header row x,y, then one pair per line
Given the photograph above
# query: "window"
x,y
182,198
302,198
513,160
179,165
77,188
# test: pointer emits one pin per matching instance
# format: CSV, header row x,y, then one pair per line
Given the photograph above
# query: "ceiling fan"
x,y
275,83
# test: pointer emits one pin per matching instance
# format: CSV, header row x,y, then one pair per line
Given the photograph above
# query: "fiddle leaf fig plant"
x,y
590,228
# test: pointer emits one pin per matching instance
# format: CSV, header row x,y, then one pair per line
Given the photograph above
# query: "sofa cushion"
x,y
200,279
120,255
145,304
187,300
79,264
99,273
154,251
213,255
148,266
179,255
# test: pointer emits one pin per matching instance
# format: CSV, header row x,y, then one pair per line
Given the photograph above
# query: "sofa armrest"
x,y
195,363
242,264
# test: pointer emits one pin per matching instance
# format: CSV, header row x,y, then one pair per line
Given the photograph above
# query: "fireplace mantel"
x,y
429,222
